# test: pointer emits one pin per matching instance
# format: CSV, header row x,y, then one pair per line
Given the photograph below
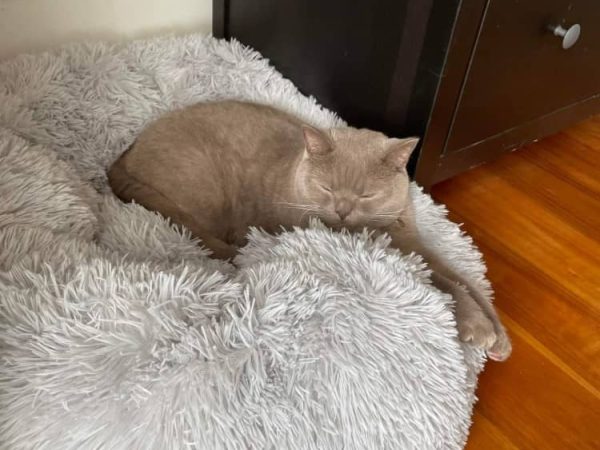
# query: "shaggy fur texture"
x,y
116,330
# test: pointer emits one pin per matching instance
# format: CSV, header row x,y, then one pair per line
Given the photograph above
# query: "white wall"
x,y
33,25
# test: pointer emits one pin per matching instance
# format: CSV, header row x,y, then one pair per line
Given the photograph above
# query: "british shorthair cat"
x,y
220,168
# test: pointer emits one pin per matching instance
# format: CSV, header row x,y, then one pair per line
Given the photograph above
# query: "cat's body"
x,y
219,168
209,163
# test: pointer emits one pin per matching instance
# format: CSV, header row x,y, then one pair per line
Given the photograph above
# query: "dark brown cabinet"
x,y
515,85
474,78
519,72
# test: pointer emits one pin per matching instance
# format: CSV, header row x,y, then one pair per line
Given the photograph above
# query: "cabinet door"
x,y
519,71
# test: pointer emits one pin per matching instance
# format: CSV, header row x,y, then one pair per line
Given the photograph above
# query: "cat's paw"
x,y
502,347
477,330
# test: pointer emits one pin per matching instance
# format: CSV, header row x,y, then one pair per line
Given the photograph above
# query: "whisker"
x,y
293,204
299,206
304,209
394,214
389,216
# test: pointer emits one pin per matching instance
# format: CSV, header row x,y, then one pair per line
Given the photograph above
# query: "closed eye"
x,y
325,188
368,196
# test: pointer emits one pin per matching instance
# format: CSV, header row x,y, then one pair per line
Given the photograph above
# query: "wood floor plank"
x,y
565,157
521,226
536,404
571,332
587,133
577,206
484,434
550,355
536,216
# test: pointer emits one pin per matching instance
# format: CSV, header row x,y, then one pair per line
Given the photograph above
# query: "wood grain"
x,y
487,435
535,214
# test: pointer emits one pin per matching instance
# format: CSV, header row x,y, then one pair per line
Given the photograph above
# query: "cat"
x,y
220,168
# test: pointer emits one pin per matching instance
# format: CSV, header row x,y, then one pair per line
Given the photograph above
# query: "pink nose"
x,y
343,208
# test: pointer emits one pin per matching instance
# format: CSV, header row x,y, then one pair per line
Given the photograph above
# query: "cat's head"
x,y
354,177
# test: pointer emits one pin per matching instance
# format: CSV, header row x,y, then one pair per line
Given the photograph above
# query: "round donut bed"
x,y
118,332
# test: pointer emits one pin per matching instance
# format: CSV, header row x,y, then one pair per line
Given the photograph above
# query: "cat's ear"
x,y
398,152
317,143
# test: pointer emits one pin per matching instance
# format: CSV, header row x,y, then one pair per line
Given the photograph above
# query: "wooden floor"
x,y
535,214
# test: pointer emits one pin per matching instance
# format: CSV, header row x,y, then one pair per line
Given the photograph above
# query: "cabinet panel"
x,y
519,71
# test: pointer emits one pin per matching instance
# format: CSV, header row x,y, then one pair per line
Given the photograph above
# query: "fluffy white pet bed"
x,y
116,330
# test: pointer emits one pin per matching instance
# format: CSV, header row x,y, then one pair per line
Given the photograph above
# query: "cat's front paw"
x,y
502,347
476,329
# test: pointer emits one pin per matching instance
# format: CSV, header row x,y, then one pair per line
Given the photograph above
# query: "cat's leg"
x,y
127,188
474,313
476,318
473,325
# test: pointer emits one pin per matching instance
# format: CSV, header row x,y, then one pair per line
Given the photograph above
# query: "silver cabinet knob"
x,y
569,36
